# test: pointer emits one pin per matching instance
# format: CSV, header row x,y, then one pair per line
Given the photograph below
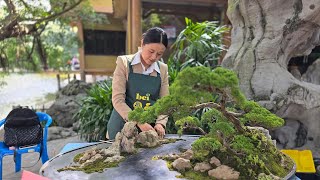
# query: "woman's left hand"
x,y
160,130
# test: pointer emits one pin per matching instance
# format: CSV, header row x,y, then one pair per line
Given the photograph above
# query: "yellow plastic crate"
x,y
303,160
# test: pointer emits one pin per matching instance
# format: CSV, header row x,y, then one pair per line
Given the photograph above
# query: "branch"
x,y
11,26
195,128
216,106
223,141
11,6
25,4
229,115
59,13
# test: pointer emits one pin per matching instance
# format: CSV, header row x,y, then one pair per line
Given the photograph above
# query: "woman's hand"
x,y
145,127
160,130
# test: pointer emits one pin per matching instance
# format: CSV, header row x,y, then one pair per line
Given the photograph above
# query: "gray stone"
x,y
202,167
148,138
129,129
114,159
224,172
312,75
181,164
127,145
215,161
187,155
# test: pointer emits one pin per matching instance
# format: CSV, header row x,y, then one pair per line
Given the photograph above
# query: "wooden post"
x,y
81,51
58,79
135,24
74,76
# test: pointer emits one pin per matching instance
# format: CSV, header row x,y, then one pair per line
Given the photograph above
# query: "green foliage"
x,y
196,85
242,143
50,40
226,128
199,44
187,121
259,116
204,147
95,111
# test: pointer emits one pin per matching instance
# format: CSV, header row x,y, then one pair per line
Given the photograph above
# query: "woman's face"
x,y
151,53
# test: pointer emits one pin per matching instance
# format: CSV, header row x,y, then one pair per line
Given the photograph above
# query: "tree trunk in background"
x,y
266,34
41,52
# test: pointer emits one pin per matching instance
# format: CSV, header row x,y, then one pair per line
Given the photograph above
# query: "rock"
x,y
287,134
181,164
263,46
224,172
271,176
215,161
127,145
76,126
57,132
187,155
88,155
94,157
114,159
66,104
75,87
129,130
114,149
202,167
148,139
312,75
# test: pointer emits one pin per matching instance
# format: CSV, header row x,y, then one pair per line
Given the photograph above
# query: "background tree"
x,y
37,35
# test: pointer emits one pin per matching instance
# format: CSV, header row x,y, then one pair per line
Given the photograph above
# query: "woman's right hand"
x,y
145,127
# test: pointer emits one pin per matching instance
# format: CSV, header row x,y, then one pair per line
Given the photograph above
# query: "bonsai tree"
x,y
225,126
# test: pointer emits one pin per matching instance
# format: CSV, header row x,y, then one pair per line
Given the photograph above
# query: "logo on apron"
x,y
139,98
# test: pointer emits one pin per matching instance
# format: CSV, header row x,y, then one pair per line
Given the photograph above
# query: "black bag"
x,y
22,128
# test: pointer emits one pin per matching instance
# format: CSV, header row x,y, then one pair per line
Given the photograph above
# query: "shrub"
x,y
95,111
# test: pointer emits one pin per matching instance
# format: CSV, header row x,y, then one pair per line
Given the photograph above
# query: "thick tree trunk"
x,y
266,34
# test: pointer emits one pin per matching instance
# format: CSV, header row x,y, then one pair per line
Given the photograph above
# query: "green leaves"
x,y
199,44
95,111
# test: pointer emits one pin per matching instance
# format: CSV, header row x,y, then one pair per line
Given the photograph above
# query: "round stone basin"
x,y
139,166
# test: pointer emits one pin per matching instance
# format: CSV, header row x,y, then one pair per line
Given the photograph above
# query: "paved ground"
x,y
29,159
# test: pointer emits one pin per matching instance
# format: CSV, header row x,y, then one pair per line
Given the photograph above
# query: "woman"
x,y
138,81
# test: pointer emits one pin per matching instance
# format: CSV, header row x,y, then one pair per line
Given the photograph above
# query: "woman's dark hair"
x,y
155,35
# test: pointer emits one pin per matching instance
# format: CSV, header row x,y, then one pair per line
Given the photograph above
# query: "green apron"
x,y
141,91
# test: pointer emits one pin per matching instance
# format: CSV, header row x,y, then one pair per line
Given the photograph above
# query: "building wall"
x,y
102,64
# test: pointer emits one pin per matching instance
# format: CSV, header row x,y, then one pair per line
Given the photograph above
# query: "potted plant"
x,y
227,127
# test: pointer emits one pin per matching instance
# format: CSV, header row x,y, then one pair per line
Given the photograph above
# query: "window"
x,y
100,42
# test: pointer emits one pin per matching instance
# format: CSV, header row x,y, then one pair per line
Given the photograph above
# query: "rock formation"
x,y
266,34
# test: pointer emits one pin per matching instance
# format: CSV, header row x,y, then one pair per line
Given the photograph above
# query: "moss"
x,y
77,157
169,165
242,143
196,175
97,166
171,140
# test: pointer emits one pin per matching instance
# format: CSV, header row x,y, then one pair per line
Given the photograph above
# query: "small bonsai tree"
x,y
225,126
